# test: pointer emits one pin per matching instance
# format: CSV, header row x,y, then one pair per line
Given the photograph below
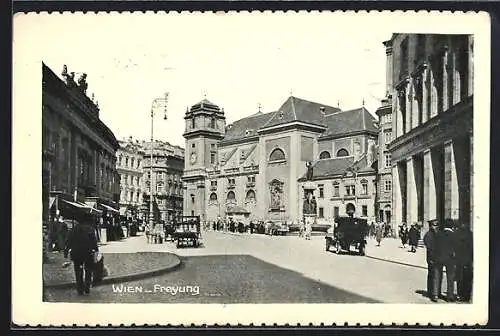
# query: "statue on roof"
x,y
309,173
82,82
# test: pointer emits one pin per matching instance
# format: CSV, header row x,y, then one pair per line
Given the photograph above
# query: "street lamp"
x,y
157,102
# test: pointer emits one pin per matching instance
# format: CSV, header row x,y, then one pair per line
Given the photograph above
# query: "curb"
x,y
123,278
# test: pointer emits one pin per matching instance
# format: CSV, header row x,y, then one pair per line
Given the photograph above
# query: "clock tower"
x,y
205,127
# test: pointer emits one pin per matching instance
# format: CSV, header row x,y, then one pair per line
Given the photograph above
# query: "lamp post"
x,y
157,102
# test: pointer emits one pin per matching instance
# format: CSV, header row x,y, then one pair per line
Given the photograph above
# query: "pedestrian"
x,y
413,237
430,245
148,233
464,261
81,245
445,258
403,234
379,232
302,228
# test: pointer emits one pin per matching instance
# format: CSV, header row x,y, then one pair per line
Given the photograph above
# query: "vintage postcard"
x,y
251,168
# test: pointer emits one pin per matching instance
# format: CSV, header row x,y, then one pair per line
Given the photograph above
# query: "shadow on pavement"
x,y
226,279
396,262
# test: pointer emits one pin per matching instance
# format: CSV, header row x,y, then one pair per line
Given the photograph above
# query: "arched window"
x,y
231,197
212,122
324,155
250,197
213,197
342,152
277,155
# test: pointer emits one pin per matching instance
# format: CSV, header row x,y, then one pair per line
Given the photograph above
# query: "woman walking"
x,y
379,231
403,234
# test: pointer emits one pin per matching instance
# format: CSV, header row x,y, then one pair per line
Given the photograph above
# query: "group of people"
x,y
410,236
380,231
449,246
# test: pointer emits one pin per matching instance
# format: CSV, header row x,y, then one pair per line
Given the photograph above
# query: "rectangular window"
x,y
336,212
212,157
365,188
387,136
365,210
321,212
387,160
388,185
321,191
336,190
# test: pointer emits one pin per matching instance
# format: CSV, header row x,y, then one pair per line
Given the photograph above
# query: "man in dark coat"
x,y
445,257
413,237
82,243
430,244
464,254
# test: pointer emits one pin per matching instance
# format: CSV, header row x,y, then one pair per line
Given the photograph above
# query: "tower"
x,y
205,127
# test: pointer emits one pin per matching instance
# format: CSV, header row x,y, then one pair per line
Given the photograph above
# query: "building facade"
x,y
254,165
129,167
431,85
78,152
165,184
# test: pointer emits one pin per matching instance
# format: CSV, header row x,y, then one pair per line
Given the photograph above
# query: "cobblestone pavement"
x,y
234,268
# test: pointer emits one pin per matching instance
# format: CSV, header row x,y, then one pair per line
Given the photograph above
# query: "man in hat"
x,y
445,257
430,245
82,244
464,254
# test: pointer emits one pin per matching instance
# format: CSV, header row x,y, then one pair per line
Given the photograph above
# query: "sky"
x,y
236,60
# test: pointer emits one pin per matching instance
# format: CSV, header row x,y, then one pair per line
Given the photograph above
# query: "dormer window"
x,y
247,132
280,115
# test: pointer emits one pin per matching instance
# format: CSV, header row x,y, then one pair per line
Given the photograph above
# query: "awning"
x,y
107,207
83,207
52,200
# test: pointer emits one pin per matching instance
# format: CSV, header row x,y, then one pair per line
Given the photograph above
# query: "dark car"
x,y
348,232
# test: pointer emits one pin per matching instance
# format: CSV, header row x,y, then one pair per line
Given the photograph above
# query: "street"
x,y
232,268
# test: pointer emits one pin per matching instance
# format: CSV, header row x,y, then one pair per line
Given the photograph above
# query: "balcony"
x,y
213,188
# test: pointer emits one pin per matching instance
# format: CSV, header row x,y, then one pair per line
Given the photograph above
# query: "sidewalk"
x,y
391,250
124,266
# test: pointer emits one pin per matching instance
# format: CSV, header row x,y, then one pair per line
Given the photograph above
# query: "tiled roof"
x,y
350,121
239,128
328,167
338,166
297,109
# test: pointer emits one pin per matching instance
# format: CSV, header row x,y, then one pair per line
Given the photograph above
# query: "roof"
x,y
300,110
236,210
239,128
338,166
297,109
350,121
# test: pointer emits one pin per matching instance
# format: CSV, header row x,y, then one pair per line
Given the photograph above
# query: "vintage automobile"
x,y
187,231
276,228
348,232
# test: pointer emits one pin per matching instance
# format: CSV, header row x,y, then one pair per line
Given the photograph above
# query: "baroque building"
x,y
79,150
431,85
254,166
165,185
129,166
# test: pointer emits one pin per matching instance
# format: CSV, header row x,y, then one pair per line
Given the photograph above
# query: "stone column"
x,y
433,106
425,94
397,201
445,79
451,195
456,77
411,192
429,188
409,106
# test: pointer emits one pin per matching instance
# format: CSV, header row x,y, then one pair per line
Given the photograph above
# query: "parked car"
x,y
348,232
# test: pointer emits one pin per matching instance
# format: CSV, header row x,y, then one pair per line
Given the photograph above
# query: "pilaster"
x,y
429,188
411,195
451,188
